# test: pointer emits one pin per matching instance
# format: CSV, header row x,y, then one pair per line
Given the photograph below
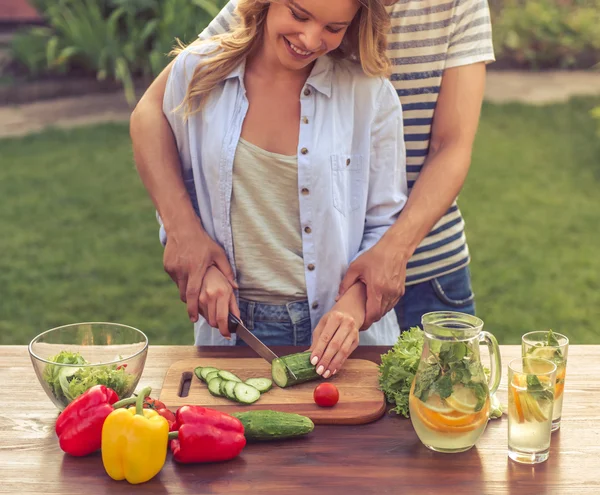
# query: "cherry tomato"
x,y
326,395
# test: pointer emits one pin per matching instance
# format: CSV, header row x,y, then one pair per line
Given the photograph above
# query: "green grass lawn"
x,y
79,240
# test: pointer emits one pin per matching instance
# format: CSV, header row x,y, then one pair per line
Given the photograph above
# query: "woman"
x,y
290,139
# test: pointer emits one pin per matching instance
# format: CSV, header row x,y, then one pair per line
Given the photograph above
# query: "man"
x,y
439,49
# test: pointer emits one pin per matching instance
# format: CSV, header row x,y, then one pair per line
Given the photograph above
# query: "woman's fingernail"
x,y
314,360
327,373
320,370
334,372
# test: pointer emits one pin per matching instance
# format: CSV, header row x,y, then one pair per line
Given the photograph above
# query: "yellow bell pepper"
x,y
134,442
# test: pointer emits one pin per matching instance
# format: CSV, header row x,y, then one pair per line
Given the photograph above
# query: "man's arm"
x,y
383,267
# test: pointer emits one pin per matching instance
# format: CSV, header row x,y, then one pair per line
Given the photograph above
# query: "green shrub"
x,y
116,39
547,33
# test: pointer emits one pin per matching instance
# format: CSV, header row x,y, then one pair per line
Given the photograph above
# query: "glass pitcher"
x,y
449,400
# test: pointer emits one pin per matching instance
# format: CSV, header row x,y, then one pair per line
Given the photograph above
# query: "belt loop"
x,y
250,315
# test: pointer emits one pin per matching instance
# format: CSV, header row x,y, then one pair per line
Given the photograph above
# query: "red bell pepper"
x,y
79,425
206,435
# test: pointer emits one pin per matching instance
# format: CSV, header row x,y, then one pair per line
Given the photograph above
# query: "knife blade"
x,y
237,326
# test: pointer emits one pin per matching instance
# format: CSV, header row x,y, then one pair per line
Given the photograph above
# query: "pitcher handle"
x,y
496,364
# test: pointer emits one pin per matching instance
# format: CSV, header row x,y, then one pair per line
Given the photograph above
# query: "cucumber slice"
x,y
229,390
246,394
226,375
222,387
261,384
198,373
205,371
211,375
214,386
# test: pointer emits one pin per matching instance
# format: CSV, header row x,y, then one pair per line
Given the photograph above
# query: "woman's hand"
x,y
336,336
217,300
186,259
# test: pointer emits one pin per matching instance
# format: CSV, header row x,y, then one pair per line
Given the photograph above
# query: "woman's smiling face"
x,y
300,31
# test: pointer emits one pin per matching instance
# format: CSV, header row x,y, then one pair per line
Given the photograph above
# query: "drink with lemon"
x,y
553,347
449,401
530,402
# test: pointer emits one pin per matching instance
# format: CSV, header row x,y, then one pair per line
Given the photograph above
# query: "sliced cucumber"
x,y
214,386
246,394
205,371
260,384
222,387
230,390
211,375
226,375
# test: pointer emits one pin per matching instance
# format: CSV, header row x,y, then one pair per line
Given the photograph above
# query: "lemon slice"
x,y
534,409
437,404
462,399
543,352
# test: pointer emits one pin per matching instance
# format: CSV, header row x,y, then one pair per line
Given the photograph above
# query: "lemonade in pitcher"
x,y
449,400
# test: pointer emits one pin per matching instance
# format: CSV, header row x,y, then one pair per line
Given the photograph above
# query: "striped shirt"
x,y
427,36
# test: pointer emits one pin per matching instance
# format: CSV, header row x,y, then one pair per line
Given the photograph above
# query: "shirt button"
x,y
305,191
315,305
311,267
304,151
308,230
347,162
305,120
306,92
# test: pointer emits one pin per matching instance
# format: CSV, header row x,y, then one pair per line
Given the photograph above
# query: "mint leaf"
x,y
425,381
552,340
442,386
536,389
452,352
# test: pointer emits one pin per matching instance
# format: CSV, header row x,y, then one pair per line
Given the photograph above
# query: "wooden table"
x,y
382,457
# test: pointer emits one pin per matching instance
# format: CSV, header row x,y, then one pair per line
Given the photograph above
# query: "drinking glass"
x,y
530,401
554,347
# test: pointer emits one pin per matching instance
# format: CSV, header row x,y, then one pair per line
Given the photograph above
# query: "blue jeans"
x,y
287,324
451,292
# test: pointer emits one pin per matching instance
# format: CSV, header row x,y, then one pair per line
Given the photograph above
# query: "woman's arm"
x,y
336,336
189,251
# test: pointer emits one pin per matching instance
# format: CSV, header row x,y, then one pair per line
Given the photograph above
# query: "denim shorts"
x,y
451,292
286,324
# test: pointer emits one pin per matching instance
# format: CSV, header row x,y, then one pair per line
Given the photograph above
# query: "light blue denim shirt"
x,y
351,171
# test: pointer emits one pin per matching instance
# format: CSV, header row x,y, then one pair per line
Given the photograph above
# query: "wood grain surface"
x,y
384,456
360,401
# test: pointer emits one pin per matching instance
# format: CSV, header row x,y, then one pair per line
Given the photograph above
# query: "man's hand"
x,y
336,335
383,270
216,300
186,259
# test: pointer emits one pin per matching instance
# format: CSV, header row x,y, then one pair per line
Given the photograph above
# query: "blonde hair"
x,y
364,42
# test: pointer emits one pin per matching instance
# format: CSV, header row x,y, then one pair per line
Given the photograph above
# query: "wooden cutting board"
x,y
360,399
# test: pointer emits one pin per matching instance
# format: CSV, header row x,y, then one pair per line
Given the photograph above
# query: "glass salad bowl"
x,y
70,359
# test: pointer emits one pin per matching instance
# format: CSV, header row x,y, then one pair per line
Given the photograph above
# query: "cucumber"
x,y
222,387
229,390
205,371
211,375
299,363
273,425
214,386
197,372
226,375
261,384
246,394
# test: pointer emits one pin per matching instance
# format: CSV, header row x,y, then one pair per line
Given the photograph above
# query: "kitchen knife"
x,y
237,326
